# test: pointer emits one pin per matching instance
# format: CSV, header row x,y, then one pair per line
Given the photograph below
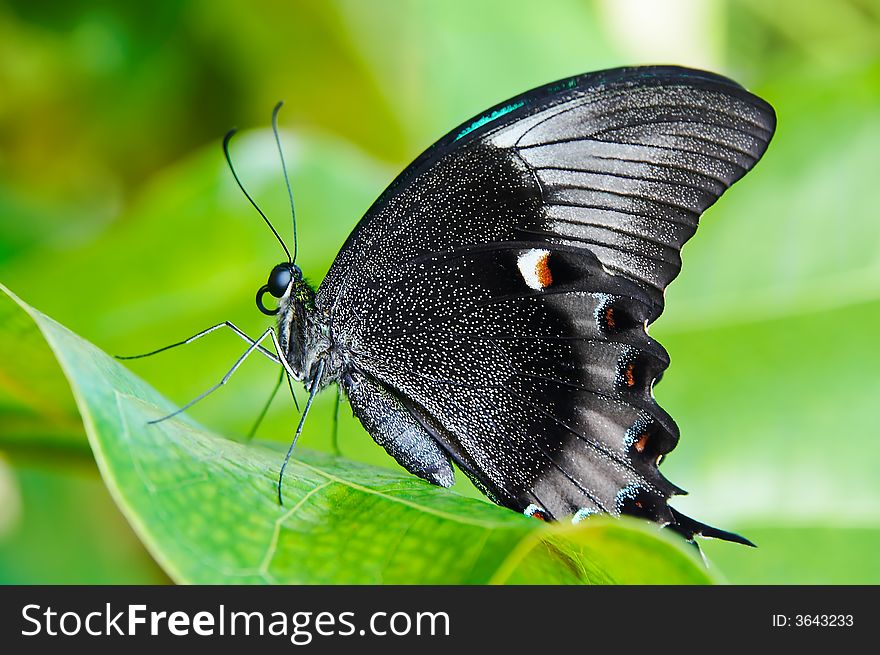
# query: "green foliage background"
x,y
118,218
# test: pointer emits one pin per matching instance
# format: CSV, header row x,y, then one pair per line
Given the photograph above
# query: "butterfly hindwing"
x,y
500,289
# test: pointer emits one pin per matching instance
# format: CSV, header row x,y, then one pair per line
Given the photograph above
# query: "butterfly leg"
x,y
393,427
268,404
334,442
213,328
313,390
255,344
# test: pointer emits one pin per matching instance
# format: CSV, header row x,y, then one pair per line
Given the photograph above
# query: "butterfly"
x,y
491,309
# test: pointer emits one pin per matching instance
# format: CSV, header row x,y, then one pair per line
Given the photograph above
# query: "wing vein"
x,y
635,178
677,150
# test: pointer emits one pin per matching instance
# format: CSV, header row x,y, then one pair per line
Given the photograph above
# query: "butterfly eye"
x,y
279,279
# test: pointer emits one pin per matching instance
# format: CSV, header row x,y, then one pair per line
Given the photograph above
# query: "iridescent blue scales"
x,y
490,310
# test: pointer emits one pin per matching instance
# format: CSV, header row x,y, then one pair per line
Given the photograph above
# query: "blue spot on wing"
x,y
564,85
488,118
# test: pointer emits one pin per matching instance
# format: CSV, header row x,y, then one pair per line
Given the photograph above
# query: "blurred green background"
x,y
119,219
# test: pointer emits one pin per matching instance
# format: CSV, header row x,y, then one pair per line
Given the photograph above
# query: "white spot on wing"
x,y
529,263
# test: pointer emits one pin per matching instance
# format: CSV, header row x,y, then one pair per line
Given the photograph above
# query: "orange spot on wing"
x,y
609,318
641,442
542,271
629,375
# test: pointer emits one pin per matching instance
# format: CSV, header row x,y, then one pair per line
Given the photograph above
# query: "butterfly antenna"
x,y
284,169
226,140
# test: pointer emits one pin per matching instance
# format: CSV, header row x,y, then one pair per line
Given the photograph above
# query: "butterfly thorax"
x,y
304,334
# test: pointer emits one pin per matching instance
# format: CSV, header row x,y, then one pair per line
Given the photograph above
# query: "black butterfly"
x,y
491,308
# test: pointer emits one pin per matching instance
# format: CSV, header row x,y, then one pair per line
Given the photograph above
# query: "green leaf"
x,y
205,506
604,551
37,408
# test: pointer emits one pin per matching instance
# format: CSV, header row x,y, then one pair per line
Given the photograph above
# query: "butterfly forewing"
x,y
500,289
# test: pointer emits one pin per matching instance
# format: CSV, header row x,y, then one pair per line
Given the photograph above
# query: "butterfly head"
x,y
298,338
286,279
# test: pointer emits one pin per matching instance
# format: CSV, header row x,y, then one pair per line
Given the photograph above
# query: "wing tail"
x,y
690,528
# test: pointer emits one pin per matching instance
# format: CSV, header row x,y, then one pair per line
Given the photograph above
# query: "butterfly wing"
x,y
500,289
